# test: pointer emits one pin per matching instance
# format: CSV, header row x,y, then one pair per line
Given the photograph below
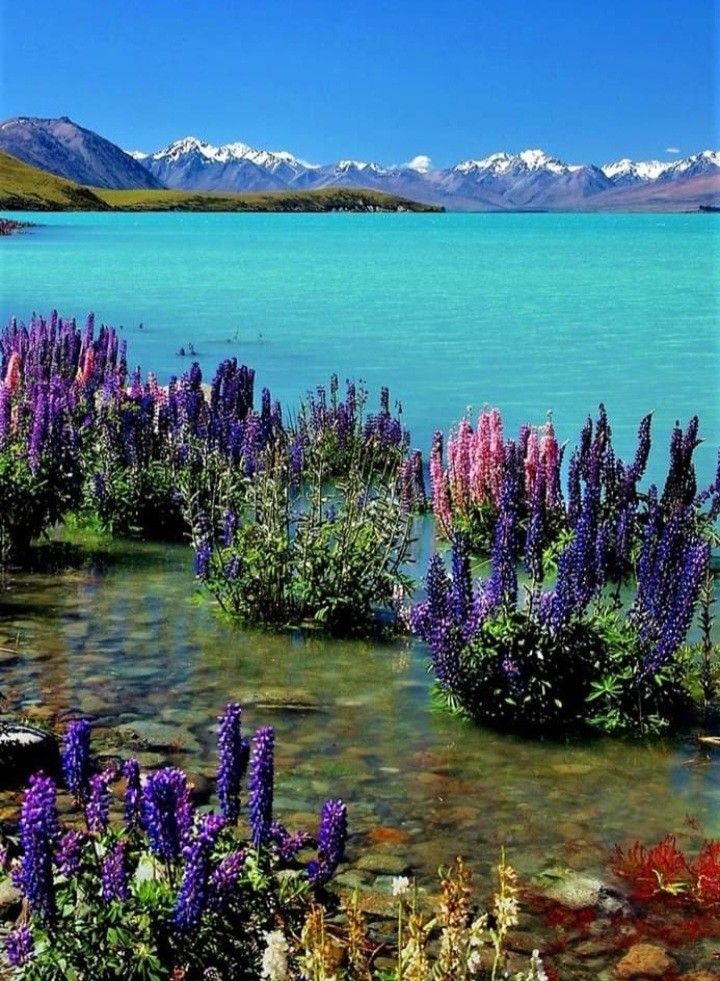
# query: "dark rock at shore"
x,y
25,749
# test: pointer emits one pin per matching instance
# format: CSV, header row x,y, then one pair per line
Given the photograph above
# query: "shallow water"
x,y
527,312
123,638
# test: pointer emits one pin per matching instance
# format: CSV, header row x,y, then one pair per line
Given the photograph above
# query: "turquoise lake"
x,y
526,312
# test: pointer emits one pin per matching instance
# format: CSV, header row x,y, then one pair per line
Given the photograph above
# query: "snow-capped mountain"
x,y
706,162
192,164
504,164
626,171
528,180
531,179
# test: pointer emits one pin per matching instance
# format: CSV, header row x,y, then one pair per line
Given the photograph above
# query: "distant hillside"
x,y
25,188
67,150
325,199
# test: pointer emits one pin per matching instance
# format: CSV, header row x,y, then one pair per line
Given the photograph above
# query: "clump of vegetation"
x,y
169,891
328,555
573,656
664,872
455,943
40,441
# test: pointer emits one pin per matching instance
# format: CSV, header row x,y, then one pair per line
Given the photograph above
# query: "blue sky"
x,y
586,80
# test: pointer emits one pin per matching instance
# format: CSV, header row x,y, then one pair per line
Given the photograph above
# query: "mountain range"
x,y
529,180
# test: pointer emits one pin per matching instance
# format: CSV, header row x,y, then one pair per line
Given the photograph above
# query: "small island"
x,y
9,226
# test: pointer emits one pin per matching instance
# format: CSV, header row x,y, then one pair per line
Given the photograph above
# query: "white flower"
x,y
275,957
506,911
400,885
536,971
536,967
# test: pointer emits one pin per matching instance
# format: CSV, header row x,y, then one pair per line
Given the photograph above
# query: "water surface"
x,y
527,312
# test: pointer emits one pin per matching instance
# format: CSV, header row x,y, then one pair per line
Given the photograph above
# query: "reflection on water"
x,y
125,639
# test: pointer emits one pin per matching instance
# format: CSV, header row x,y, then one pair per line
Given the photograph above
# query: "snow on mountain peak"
x,y
346,165
643,170
697,162
503,163
539,160
649,170
226,153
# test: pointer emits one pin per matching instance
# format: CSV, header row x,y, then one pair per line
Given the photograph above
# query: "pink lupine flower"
x,y
480,467
497,454
532,463
459,448
85,373
13,374
550,455
439,484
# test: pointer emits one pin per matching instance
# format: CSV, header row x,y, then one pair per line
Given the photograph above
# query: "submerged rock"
x,y
573,890
23,750
644,961
10,901
382,864
158,736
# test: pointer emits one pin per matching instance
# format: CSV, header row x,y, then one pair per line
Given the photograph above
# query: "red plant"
x,y
707,873
650,872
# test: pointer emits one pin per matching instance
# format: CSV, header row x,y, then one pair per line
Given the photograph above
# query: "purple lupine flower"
x,y
681,484
511,672
644,444
288,845
331,843
231,569
76,759
262,775
5,412
195,376
229,527
202,560
535,535
99,485
19,946
461,591
193,895
436,606
38,833
678,615
233,753
114,875
624,530
133,794
574,490
296,458
502,586
579,577
166,812
38,434
68,855
225,878
97,809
